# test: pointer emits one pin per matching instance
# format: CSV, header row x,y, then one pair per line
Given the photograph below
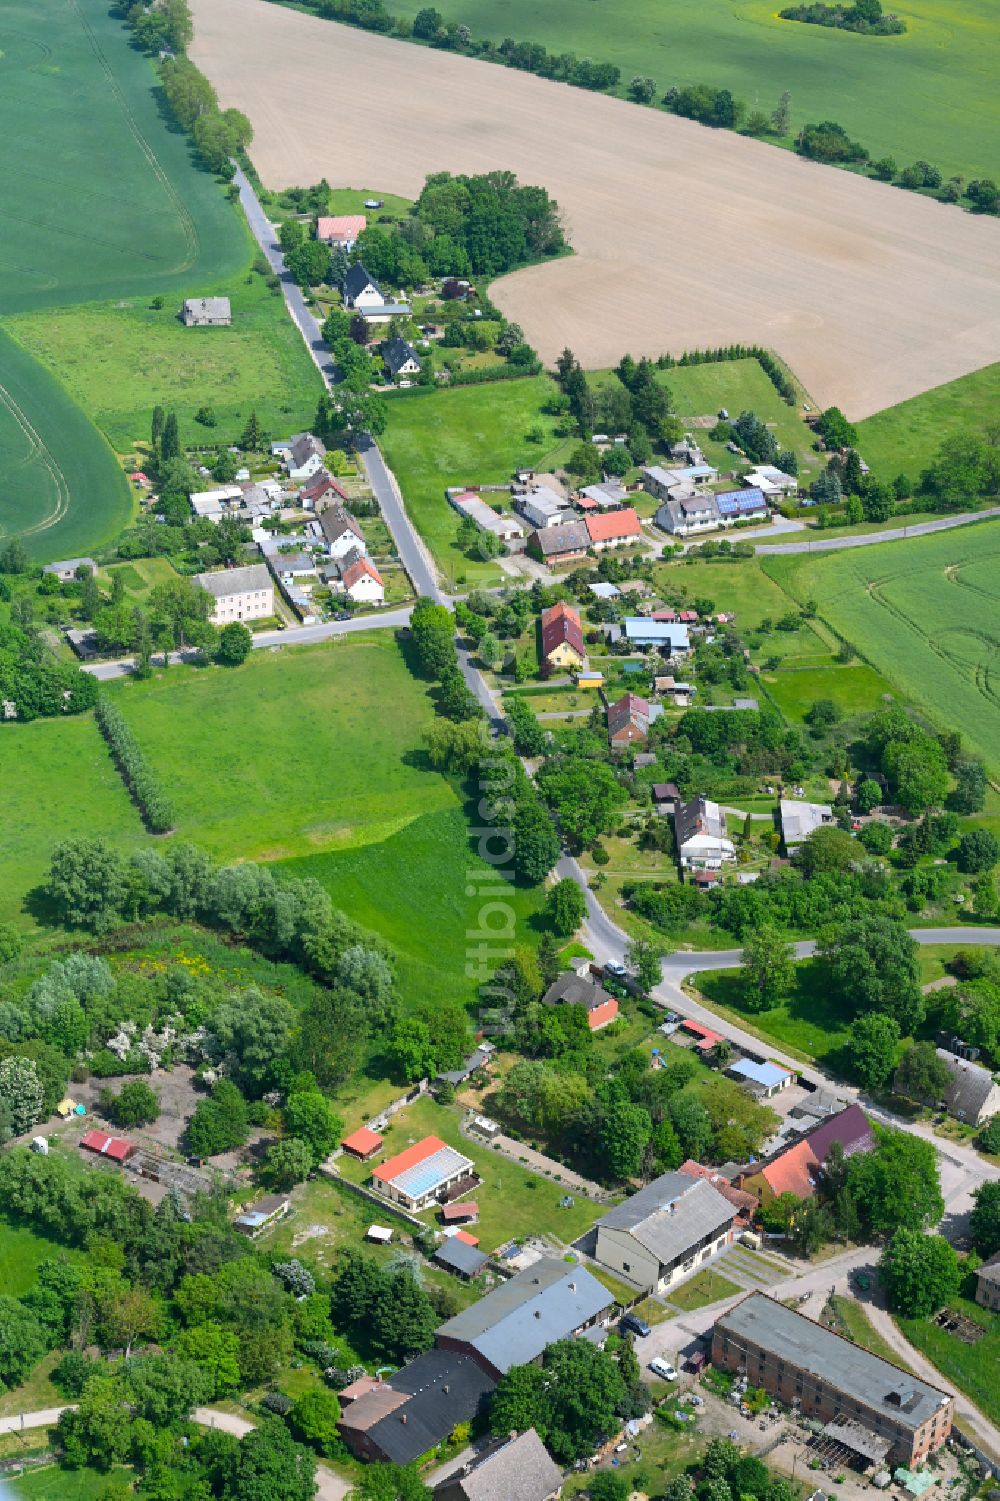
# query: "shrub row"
x,y
133,767
490,373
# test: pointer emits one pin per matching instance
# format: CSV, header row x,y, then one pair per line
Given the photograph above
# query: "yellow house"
x,y
562,637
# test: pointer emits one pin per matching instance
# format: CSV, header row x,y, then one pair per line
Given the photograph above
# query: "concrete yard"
x,y
684,236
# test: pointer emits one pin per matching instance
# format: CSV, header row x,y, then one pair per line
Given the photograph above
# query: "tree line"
x,y
135,770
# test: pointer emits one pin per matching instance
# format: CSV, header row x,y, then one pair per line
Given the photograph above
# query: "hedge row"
x,y
133,767
489,373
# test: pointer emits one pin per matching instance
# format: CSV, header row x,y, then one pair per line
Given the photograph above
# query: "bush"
x,y
134,1105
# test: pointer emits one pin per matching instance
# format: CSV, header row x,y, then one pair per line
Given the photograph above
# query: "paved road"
x,y
298,635
891,534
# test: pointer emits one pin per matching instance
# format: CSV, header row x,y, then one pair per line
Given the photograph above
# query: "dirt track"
x,y
684,236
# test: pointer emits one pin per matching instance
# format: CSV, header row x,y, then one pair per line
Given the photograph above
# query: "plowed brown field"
x,y
684,236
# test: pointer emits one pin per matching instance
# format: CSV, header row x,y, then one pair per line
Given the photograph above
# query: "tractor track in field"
x,y
39,449
190,230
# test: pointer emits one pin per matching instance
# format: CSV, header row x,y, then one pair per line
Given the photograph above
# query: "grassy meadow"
x,y
120,359
57,781
923,613
311,757
738,386
471,435
906,438
107,201
63,490
930,93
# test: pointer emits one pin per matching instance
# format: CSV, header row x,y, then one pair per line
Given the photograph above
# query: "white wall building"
x,y
240,594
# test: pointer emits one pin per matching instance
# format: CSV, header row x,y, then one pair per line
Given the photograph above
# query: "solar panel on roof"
x,y
425,1176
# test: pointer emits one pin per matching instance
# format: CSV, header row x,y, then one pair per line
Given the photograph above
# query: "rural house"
x,y
761,1079
744,1203
606,496
265,1212
239,593
664,1231
362,582
580,990
616,529
799,820
212,505
669,637
562,637
428,1172
542,507
885,1415
560,544
973,1095
340,532
795,1169
320,491
69,568
628,721
988,1284
458,1254
415,1409
550,1300
695,513
340,229
665,484
305,457
741,505
400,359
771,481
363,294
509,1467
206,312
700,835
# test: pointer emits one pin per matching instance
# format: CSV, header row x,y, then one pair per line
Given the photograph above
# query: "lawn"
x,y
20,1252
108,201
294,758
513,1202
468,436
810,1024
64,491
52,766
738,386
741,588
906,438
972,1368
706,1286
51,1483
855,688
930,93
923,613
121,359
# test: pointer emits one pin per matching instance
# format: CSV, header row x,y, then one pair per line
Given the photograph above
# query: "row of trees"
x,y
135,770
865,16
218,134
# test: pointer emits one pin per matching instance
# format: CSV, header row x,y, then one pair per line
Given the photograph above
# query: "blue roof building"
x,y
666,634
735,505
766,1079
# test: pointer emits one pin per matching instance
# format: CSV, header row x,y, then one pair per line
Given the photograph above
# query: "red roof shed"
x,y
362,1143
115,1147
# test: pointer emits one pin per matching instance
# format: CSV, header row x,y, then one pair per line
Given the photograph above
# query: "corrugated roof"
x,y
459,1256
849,1369
670,1215
513,1324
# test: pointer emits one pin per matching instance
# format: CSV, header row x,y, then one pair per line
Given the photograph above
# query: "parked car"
x,y
663,1369
631,1323
614,968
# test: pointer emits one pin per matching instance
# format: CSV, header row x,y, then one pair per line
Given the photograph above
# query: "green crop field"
x,y
56,782
471,435
906,438
63,490
102,198
924,613
294,757
930,93
121,359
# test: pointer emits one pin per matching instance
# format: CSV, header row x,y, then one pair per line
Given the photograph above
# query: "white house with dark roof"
x,y
700,835
362,294
340,532
400,359
664,1231
305,457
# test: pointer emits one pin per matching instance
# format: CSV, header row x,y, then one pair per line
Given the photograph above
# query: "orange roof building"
x,y
613,529
362,1143
428,1172
340,229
